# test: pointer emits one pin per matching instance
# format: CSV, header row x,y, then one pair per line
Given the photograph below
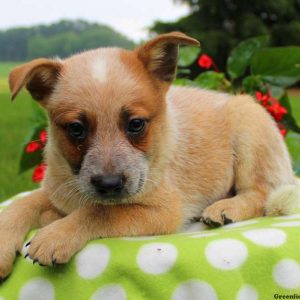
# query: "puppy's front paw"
x,y
10,246
53,245
220,213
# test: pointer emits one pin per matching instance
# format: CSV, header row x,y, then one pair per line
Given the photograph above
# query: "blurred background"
x,y
246,46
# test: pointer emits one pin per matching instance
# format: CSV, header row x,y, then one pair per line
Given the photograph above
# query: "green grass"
x,y
295,102
293,139
15,125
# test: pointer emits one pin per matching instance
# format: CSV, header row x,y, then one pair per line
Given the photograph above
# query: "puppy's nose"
x,y
109,185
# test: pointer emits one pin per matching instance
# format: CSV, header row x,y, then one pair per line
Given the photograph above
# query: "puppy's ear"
x,y
160,54
39,76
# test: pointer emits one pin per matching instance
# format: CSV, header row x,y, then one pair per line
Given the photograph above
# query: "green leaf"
x,y
278,66
251,84
240,56
187,55
183,71
213,81
38,115
288,120
184,82
282,81
293,143
276,91
29,160
254,83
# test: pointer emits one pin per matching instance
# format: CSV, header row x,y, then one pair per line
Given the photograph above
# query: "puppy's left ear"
x,y
160,54
39,76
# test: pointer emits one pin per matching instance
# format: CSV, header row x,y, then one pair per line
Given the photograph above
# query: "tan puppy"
x,y
128,155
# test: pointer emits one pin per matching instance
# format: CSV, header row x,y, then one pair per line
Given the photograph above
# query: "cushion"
x,y
254,259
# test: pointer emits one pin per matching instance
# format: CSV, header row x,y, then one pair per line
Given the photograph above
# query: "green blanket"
x,y
255,259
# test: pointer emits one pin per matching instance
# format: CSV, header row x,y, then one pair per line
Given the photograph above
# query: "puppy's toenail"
x,y
27,244
35,260
26,255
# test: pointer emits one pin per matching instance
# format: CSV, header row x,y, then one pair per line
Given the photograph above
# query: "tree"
x,y
59,39
221,24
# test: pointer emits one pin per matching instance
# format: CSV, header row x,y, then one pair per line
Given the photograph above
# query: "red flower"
x,y
43,136
39,172
272,105
205,61
282,129
33,146
277,111
262,98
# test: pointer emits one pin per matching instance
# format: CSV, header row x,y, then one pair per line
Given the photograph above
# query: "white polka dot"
x,y
110,292
92,261
239,224
1,298
266,237
287,274
37,289
288,224
290,217
194,290
226,254
156,258
247,292
202,235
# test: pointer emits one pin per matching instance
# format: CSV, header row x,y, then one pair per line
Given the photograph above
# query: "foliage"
x,y
58,39
15,123
252,68
221,25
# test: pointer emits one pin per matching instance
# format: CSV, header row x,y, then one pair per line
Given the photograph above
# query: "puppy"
x,y
128,154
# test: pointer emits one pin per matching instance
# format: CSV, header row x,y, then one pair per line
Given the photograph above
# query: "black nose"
x,y
109,185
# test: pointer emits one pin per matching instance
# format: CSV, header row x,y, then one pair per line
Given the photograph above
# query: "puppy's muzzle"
x,y
108,185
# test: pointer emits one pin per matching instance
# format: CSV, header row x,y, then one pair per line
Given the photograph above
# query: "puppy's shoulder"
x,y
197,98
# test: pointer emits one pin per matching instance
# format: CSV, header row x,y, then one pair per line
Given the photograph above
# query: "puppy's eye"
x,y
136,126
76,130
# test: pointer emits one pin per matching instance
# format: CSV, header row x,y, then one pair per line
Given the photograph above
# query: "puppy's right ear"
x,y
160,54
39,76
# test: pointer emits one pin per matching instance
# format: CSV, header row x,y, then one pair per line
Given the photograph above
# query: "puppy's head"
x,y
107,111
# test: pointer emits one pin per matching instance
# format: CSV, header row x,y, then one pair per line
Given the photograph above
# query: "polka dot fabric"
x,y
249,260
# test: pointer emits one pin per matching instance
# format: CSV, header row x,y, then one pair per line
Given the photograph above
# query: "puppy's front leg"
x,y
59,241
16,220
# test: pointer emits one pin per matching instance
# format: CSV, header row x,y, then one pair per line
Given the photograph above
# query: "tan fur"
x,y
283,200
209,154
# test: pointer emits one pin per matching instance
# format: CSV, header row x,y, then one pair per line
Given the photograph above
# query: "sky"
x,y
130,17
